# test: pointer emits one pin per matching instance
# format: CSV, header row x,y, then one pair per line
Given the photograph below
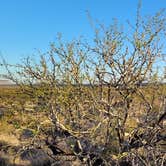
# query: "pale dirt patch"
x,y
9,139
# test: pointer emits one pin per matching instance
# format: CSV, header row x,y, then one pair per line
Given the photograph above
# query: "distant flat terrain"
x,y
6,83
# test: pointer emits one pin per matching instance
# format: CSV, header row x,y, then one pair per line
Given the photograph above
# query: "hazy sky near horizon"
x,y
26,25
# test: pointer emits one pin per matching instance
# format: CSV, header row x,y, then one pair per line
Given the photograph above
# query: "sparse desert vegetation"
x,y
89,104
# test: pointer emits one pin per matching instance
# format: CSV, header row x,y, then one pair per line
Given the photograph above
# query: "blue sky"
x,y
29,24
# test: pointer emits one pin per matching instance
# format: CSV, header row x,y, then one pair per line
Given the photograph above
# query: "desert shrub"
x,y
106,94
